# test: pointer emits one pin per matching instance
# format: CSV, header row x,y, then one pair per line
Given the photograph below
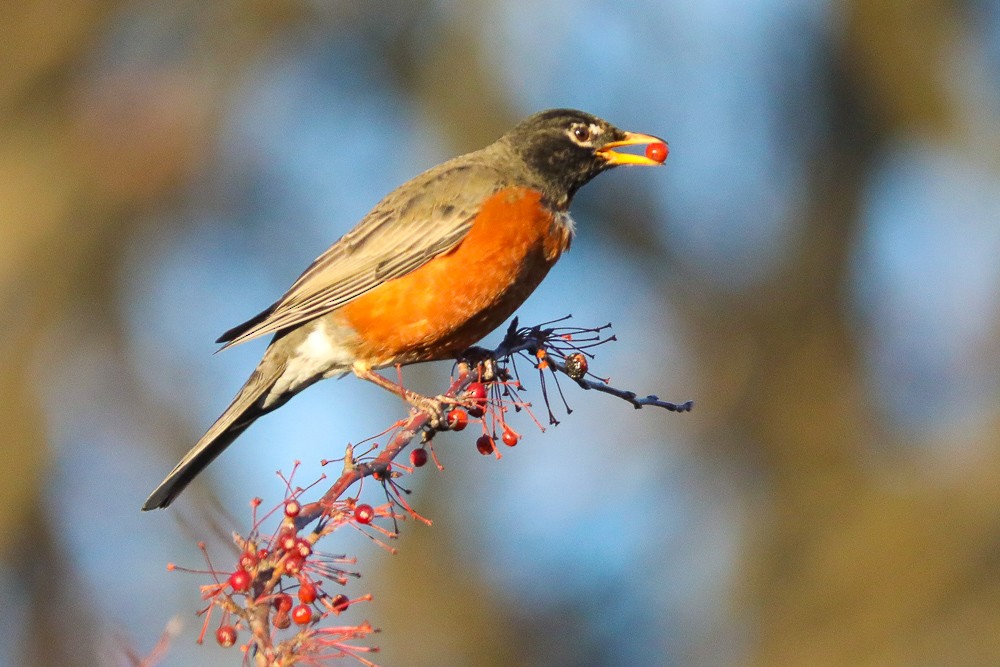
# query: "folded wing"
x,y
428,216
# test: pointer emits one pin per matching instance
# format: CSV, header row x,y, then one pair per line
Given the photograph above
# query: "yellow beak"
x,y
632,139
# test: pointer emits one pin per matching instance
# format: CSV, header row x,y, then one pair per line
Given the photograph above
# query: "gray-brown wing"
x,y
425,217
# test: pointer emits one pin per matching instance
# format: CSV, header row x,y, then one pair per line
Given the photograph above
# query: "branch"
x,y
560,349
355,471
625,395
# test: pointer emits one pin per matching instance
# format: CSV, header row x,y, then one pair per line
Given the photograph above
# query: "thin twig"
x,y
625,395
354,471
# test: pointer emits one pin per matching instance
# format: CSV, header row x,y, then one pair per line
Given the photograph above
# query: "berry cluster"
x,y
275,596
492,388
486,409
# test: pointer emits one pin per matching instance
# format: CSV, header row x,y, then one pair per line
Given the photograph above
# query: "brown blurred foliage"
x,y
845,567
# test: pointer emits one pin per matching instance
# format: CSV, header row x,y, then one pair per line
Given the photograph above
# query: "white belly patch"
x,y
317,357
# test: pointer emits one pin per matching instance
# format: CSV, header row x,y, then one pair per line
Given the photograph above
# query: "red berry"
x,y
364,514
657,151
302,614
247,560
226,636
282,620
485,444
294,563
292,509
476,393
418,457
303,547
240,581
287,541
307,592
457,419
283,602
340,603
509,437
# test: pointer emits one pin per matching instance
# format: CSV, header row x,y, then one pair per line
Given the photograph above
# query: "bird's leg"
x,y
432,406
483,360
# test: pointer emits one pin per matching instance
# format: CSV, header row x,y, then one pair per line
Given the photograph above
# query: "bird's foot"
x,y
483,360
433,407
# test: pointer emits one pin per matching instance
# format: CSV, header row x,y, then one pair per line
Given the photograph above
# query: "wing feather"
x,y
429,215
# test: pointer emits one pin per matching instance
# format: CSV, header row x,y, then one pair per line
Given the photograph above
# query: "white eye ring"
x,y
583,135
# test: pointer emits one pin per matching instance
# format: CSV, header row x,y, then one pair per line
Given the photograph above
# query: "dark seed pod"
x,y
576,365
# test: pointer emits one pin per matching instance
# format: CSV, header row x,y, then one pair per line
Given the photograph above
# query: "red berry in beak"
x,y
657,152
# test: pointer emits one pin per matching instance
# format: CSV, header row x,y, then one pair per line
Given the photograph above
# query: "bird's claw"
x,y
432,407
483,360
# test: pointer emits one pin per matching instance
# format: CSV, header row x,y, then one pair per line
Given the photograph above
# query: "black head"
x,y
564,148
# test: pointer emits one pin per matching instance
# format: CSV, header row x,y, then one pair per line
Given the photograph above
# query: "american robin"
x,y
433,268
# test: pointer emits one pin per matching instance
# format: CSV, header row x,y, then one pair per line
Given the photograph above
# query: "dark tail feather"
x,y
241,329
242,412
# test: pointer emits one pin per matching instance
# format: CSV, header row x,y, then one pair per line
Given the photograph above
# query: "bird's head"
x,y
565,148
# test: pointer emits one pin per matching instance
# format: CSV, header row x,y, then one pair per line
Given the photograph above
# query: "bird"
x,y
433,268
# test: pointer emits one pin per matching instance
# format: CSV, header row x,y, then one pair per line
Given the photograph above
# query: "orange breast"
x,y
455,299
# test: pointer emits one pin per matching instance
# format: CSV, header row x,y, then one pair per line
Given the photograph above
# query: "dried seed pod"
x,y
576,365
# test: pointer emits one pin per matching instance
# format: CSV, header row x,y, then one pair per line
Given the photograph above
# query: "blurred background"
x,y
816,266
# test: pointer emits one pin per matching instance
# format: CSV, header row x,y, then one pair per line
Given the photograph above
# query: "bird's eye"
x,y
581,133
